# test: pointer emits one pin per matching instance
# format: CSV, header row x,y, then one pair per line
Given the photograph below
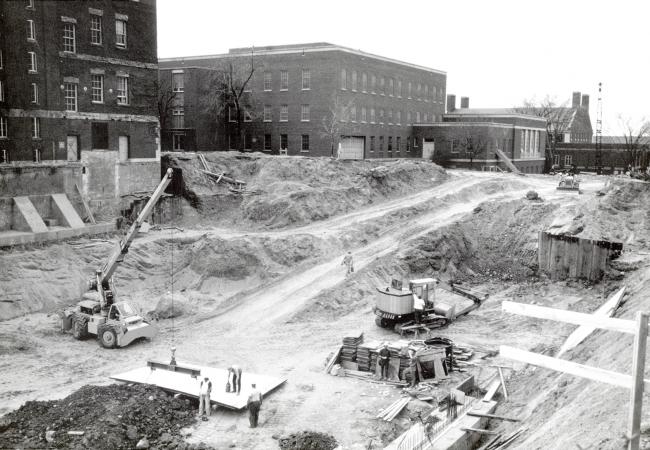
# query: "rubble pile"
x,y
101,417
308,440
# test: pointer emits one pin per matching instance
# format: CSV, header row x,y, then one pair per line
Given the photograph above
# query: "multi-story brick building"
x,y
78,84
306,100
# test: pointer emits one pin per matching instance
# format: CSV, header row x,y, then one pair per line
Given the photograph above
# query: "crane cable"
x,y
172,289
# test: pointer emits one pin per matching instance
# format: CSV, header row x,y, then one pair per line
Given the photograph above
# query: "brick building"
x,y
470,138
78,84
306,99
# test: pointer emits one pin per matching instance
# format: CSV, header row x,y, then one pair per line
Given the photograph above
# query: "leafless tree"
x,y
558,119
334,122
165,100
636,140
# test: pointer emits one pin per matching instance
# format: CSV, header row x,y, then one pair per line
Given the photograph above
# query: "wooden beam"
x,y
479,430
638,368
580,370
561,315
503,383
493,416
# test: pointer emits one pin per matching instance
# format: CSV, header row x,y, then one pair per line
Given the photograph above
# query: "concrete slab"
x,y
29,214
10,238
184,384
67,211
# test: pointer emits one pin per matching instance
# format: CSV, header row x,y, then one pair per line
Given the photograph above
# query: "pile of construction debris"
x,y
308,440
101,417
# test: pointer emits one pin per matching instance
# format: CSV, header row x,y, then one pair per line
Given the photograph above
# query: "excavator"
x,y
115,323
394,305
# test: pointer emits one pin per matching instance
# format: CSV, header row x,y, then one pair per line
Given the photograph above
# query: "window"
x,y
306,79
248,141
417,117
268,80
363,114
381,116
453,148
399,118
408,117
34,93
284,113
390,144
522,141
372,144
33,67
408,145
3,127
97,88
398,144
267,142
70,96
178,141
304,147
232,114
2,91
556,159
120,33
1,60
364,82
390,116
354,80
178,117
37,155
382,86
31,31
267,113
372,115
381,144
36,128
178,82
399,88
95,29
568,160
419,91
410,90
122,90
247,114
353,113
426,118
304,113
69,38
30,4
373,83
415,142
426,93
99,135
284,80
344,79
433,93
284,141
391,87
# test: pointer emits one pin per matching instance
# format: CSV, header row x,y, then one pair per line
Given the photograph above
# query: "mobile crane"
x,y
116,324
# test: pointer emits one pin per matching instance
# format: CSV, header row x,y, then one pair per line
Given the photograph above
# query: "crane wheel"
x,y
79,328
384,323
107,337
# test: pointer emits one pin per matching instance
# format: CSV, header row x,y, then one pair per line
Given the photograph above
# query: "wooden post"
x,y
638,367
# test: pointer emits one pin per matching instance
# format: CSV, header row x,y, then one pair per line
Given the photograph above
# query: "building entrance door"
x,y
428,148
73,148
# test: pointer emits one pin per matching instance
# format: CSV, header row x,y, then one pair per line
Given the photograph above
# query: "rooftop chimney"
x,y
464,102
451,103
575,103
585,102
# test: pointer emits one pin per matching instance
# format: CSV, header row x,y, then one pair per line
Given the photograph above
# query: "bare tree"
x,y
333,123
558,120
473,145
165,100
635,139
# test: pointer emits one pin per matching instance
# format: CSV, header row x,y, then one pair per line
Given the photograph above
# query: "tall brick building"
x,y
306,99
78,84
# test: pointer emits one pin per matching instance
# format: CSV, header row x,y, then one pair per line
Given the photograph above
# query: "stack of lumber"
x,y
350,343
393,409
501,442
364,354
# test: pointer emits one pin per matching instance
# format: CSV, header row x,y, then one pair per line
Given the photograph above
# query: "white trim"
x,y
101,59
178,71
519,127
68,19
97,71
300,50
15,112
95,12
123,17
508,115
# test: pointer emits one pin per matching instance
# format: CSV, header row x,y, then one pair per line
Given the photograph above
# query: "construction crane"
x,y
116,324
599,131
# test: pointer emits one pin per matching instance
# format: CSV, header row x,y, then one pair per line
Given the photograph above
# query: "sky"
x,y
498,52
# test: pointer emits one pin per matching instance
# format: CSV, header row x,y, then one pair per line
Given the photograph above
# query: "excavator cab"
x,y
425,289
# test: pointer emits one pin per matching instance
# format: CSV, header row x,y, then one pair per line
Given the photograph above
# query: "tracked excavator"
x,y
115,323
395,305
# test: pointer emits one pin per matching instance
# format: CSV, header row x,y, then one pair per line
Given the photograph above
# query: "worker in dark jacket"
x,y
254,404
235,370
384,360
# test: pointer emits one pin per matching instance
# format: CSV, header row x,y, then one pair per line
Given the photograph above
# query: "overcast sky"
x,y
496,52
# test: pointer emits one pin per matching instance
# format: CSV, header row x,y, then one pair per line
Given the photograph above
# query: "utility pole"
x,y
599,131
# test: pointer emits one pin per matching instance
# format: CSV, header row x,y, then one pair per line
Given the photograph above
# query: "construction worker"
x,y
413,370
384,360
235,370
204,397
254,404
418,307
347,261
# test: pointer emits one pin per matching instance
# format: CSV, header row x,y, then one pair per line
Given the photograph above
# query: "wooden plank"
x,y
503,383
223,177
638,369
607,309
562,315
493,416
492,389
580,370
479,430
89,213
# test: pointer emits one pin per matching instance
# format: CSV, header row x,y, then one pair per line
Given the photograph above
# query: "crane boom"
x,y
123,247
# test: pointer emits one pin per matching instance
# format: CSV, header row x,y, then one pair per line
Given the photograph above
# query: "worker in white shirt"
x,y
204,397
418,307
254,404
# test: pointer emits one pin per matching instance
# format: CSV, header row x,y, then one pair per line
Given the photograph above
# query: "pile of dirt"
x,y
110,417
284,191
308,440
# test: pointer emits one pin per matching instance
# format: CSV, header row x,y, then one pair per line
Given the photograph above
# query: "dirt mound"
x,y
296,190
110,417
308,440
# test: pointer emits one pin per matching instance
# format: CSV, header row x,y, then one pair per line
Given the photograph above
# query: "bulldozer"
x,y
115,323
569,183
394,307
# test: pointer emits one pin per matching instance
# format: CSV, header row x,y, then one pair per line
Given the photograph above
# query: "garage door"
x,y
351,148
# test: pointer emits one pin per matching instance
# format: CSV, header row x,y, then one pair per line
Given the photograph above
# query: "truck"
x,y
394,304
114,323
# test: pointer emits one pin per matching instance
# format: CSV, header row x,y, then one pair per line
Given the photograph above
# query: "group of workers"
x,y
384,364
254,402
